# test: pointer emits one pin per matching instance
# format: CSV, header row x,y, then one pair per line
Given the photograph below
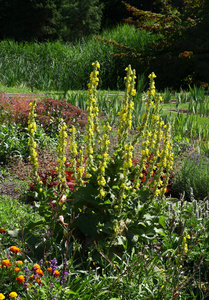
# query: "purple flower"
x,y
64,273
53,265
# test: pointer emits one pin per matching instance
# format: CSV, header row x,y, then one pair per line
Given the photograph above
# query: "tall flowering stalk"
x,y
125,124
31,141
154,138
165,163
61,154
73,147
80,168
104,146
146,134
125,116
149,105
125,183
92,122
76,157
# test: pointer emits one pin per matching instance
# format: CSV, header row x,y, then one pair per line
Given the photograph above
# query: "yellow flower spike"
x,y
92,128
31,141
61,154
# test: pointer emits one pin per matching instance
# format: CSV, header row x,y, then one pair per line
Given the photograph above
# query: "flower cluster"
x,y
28,279
13,267
31,141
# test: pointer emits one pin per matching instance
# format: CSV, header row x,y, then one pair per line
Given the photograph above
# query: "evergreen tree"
x,y
79,18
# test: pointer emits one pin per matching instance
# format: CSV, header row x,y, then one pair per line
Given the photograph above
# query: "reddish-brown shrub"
x,y
49,112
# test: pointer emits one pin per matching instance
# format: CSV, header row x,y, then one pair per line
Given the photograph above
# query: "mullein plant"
x,y
113,183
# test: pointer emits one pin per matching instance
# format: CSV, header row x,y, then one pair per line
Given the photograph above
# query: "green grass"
x,y
202,121
12,211
62,66
18,90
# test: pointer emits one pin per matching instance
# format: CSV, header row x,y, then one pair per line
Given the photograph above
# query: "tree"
x,y
79,18
180,26
28,19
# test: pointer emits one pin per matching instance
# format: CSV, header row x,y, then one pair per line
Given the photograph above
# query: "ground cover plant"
x,y
103,225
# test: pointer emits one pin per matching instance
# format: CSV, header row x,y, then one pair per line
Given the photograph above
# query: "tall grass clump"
x,y
65,66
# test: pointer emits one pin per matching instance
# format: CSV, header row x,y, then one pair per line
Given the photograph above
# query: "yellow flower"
x,y
13,295
18,262
102,192
2,296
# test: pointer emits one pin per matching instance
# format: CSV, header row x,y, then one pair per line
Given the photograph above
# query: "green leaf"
x,y
36,224
70,293
86,195
87,223
106,202
162,221
115,187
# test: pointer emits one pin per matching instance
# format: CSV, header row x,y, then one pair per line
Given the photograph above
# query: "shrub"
x,y
49,113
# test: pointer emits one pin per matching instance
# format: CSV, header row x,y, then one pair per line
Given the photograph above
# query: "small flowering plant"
x,y
20,279
111,197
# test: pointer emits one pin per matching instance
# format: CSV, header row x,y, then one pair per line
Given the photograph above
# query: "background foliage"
x,y
182,28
